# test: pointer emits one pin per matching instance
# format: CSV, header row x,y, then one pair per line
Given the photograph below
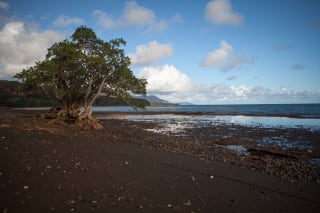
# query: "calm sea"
x,y
303,110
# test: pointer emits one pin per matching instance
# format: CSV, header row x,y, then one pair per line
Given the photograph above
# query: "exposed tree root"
x,y
88,122
82,120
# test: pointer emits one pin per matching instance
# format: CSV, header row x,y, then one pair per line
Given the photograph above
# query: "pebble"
x,y
211,177
26,187
187,203
169,205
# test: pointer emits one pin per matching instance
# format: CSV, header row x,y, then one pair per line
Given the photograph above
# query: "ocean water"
x,y
302,110
306,116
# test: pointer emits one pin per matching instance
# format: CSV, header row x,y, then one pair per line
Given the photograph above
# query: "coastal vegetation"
x,y
76,72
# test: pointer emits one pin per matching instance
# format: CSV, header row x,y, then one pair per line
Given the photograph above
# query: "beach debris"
x,y
187,203
4,125
26,187
42,129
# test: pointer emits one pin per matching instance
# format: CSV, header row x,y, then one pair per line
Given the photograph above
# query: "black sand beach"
x,y
46,167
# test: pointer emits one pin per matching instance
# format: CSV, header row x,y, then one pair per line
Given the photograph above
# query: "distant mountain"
x,y
155,101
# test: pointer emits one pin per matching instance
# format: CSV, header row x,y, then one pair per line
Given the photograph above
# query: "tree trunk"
x,y
86,121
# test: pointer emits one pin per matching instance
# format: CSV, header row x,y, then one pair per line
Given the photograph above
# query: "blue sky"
x,y
203,52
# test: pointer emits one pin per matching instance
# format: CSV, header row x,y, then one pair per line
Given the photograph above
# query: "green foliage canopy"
x,y
76,71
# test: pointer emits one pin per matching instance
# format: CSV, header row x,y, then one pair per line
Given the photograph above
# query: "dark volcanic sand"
x,y
124,168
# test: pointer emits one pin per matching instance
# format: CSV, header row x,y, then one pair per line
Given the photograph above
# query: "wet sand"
x,y
124,168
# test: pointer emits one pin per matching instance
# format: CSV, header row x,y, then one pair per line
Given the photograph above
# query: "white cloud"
x,y
220,12
218,56
64,21
224,59
150,53
4,5
166,80
134,15
21,47
169,83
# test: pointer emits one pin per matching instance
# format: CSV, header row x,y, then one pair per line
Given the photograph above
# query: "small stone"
x,y
211,177
169,205
0,173
3,137
187,203
140,206
26,187
126,163
94,202
48,167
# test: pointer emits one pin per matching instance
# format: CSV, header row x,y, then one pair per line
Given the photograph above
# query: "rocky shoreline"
x,y
207,142
290,164
126,167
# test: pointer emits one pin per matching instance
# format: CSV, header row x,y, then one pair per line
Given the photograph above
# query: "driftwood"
x,y
275,152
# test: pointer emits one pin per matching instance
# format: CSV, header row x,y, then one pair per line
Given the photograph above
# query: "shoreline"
x,y
52,167
98,111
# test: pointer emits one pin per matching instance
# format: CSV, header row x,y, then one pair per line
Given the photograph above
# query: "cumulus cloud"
x,y
150,53
224,59
171,84
166,80
220,12
64,21
21,47
134,15
218,56
4,5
